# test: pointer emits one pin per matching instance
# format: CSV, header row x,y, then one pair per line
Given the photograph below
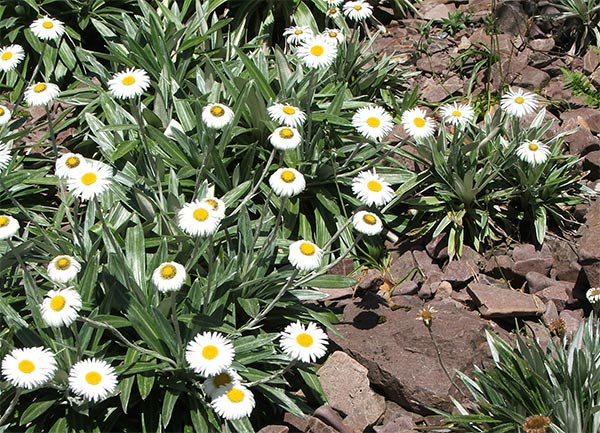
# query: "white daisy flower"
x,y
306,344
61,307
169,277
29,367
297,34
90,180
129,83
333,12
358,10
593,295
63,269
215,383
68,164
217,116
92,379
372,122
287,114
233,402
285,138
5,156
209,353
371,189
217,205
317,52
4,115
198,219
334,35
417,124
287,182
533,152
8,226
47,28
41,94
367,223
458,115
10,57
519,103
305,256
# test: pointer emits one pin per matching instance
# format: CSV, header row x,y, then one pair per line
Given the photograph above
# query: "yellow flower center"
x,y
235,395
72,162
317,50
217,111
89,178
533,147
519,100
57,303
419,122
7,55
128,80
40,87
373,122
47,24
357,7
222,380
595,292
332,11
333,34
370,219
456,113
374,185
307,248
4,220
63,263
93,377
26,366
168,272
286,133
304,339
298,32
212,203
210,352
200,214
1,111
288,110
288,176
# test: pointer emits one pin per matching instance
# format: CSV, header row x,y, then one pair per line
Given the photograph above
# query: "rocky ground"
x,y
390,368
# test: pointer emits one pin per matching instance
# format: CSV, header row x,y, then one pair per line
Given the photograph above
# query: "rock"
x,y
528,259
444,289
370,279
400,357
332,418
296,423
430,286
587,117
551,313
495,302
591,163
590,60
425,263
500,267
315,425
274,429
582,141
406,288
572,320
564,256
397,419
511,18
537,281
439,11
433,63
589,245
557,294
531,78
353,395
543,45
461,271
436,246
401,267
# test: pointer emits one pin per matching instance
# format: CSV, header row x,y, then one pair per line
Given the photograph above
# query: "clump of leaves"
x,y
581,85
526,379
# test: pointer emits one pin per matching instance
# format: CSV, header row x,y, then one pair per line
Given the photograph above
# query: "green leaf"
x,y
170,398
332,282
60,426
145,384
540,224
34,410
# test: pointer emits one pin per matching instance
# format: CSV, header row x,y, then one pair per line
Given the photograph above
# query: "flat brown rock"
x,y
495,302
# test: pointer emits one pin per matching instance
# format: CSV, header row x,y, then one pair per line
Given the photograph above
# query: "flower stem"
x,y
174,319
11,406
273,376
441,362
